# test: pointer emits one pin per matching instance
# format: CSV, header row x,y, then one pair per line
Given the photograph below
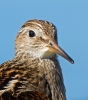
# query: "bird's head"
x,y
38,39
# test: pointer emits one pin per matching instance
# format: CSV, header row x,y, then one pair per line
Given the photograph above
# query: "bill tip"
x,y
72,61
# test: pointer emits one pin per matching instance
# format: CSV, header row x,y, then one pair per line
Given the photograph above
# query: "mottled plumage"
x,y
34,73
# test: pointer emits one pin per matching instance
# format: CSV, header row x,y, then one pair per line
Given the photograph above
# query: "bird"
x,y
35,72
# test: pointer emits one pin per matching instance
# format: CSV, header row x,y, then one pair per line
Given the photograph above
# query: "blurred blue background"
x,y
71,20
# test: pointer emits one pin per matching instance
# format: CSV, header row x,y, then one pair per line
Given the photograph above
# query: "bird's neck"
x,y
53,74
51,69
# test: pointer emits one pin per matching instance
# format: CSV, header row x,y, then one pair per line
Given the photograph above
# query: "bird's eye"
x,y
31,33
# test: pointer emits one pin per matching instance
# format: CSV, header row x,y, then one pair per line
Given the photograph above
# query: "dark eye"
x,y
31,33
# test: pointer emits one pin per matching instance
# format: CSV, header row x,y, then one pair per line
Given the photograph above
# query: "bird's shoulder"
x,y
11,73
4,67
